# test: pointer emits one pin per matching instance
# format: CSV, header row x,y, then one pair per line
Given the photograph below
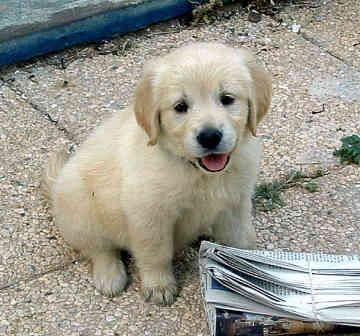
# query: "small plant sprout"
x,y
350,149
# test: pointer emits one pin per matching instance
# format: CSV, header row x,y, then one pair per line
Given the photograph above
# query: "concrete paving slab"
x,y
333,25
65,303
310,114
29,244
327,220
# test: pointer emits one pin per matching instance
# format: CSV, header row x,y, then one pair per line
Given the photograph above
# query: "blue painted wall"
x,y
95,28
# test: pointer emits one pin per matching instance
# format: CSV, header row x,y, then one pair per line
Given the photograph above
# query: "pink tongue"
x,y
215,162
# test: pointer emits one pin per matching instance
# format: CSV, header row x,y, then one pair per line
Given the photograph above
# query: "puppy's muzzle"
x,y
215,159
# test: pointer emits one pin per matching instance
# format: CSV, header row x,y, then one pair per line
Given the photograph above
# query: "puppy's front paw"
x,y
109,274
161,295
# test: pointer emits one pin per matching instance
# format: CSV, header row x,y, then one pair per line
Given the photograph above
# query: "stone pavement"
x,y
46,289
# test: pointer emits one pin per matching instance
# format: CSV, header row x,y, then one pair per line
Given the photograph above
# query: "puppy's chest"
x,y
206,201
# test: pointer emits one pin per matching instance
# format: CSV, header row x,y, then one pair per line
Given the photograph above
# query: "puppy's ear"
x,y
145,107
261,91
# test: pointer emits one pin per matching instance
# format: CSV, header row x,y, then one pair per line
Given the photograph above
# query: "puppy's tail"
x,y
51,172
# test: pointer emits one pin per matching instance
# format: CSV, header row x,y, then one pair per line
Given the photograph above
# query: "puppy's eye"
x,y
181,107
226,99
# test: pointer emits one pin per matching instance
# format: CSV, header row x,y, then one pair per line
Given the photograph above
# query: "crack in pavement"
x,y
53,269
318,44
22,96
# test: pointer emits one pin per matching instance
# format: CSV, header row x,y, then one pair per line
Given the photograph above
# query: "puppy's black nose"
x,y
209,138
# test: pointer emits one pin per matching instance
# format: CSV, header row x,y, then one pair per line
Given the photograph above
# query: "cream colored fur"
x,y
135,187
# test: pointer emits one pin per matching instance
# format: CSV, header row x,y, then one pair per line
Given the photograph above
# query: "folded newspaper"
x,y
278,293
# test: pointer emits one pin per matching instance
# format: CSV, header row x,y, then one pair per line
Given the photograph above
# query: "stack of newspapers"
x,y
278,293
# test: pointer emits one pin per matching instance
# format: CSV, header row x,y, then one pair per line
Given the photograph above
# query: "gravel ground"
x,y
45,288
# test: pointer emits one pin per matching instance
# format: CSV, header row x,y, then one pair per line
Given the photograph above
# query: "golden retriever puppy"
x,y
180,161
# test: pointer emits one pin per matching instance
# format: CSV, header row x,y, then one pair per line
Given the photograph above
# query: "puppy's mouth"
x,y
214,162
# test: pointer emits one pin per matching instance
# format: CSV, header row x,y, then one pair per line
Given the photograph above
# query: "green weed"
x,y
350,150
267,196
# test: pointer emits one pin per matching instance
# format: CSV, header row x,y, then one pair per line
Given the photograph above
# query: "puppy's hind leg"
x,y
77,222
109,272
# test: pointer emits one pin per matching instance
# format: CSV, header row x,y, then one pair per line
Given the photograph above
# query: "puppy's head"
x,y
201,100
